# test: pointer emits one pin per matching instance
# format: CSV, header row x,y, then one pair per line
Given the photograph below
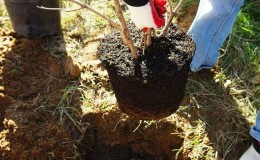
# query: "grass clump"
x,y
226,98
241,57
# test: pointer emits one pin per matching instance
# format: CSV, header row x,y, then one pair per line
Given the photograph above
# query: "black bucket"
x,y
32,22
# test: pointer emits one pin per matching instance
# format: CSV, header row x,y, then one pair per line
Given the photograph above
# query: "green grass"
x,y
230,93
4,19
241,58
244,41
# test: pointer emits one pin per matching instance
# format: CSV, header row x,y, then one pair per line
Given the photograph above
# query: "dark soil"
x,y
152,86
128,139
165,57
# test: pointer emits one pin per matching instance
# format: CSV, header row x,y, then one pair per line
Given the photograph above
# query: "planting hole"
x,y
116,136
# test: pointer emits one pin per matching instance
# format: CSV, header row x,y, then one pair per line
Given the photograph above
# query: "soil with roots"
x,y
152,86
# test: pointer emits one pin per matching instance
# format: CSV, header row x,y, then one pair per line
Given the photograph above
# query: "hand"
x,y
151,15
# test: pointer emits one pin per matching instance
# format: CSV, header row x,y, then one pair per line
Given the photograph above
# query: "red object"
x,y
158,9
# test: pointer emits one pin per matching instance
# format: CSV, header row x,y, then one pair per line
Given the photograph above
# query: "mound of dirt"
x,y
120,137
30,81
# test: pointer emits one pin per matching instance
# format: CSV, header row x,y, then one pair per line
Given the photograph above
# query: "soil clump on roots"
x,y
152,86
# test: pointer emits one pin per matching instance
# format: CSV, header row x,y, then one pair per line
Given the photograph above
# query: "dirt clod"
x,y
72,68
30,81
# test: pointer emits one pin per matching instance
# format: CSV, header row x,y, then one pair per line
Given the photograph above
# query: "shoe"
x,y
250,154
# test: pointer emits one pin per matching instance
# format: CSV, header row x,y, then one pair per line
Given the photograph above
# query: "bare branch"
x,y
59,9
149,37
83,6
177,8
124,30
154,34
143,40
173,13
170,6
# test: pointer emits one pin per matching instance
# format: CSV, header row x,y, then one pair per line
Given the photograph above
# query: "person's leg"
x,y
211,26
253,151
255,130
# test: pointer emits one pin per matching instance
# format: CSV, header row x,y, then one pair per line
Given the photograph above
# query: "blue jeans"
x,y
255,130
210,28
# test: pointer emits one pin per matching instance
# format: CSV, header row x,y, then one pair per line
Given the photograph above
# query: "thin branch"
x,y
59,9
143,40
154,34
124,30
177,7
170,5
172,14
83,6
149,37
